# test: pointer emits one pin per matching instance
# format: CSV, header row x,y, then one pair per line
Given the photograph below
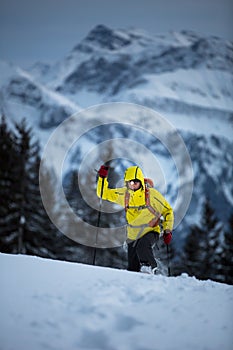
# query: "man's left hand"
x,y
167,236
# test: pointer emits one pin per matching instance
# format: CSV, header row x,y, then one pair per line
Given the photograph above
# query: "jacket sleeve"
x,y
115,195
164,208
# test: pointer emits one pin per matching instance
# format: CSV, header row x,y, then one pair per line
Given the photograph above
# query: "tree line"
x,y
208,248
25,227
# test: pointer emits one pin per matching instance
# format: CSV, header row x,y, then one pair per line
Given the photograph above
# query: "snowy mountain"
x,y
173,72
185,77
22,96
48,304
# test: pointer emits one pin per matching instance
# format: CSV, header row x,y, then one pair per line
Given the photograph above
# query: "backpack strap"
x,y
127,196
147,200
127,206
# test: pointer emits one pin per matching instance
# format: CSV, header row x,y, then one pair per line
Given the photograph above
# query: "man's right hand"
x,y
103,171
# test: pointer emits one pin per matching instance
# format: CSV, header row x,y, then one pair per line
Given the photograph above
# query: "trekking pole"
x,y
168,262
98,220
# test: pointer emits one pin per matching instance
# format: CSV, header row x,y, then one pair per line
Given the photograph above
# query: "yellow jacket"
x,y
137,215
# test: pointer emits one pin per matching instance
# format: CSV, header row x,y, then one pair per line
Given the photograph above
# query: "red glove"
x,y
167,237
103,171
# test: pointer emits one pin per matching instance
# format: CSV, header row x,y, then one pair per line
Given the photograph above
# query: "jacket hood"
x,y
134,172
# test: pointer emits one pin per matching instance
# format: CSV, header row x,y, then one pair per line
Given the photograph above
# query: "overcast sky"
x,y
46,30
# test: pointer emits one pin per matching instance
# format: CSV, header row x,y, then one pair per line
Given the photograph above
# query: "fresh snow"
x,y
48,304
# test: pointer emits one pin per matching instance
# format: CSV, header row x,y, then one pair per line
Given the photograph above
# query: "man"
x,y
144,208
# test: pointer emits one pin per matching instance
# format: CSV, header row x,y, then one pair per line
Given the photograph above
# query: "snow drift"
x,y
48,304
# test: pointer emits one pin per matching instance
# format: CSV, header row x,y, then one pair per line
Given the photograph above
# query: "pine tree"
x,y
24,223
109,257
65,248
192,252
25,158
37,234
9,184
211,243
227,254
202,249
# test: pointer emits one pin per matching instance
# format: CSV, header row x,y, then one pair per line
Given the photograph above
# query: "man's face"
x,y
134,184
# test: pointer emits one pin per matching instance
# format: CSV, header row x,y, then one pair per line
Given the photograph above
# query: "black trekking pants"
x,y
141,251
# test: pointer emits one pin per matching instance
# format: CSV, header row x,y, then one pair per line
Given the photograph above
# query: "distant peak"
x,y
100,29
107,38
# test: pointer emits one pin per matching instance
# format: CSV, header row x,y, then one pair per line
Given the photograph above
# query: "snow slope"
x,y
47,304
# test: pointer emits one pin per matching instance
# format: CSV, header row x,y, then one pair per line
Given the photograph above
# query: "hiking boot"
x,y
148,269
